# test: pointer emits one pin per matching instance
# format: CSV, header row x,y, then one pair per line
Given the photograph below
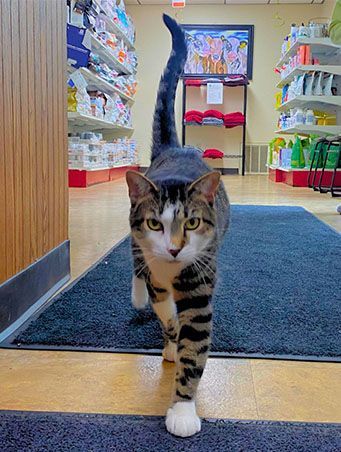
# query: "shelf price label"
x,y
178,3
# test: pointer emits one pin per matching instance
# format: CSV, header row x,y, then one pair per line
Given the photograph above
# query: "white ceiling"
x,y
220,2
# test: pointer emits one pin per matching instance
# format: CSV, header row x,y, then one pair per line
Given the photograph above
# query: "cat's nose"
x,y
174,252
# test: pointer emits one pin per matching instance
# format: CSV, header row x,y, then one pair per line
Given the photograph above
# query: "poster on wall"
x,y
218,50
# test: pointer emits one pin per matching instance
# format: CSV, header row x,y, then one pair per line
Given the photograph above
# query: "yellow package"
x,y
278,99
71,99
325,119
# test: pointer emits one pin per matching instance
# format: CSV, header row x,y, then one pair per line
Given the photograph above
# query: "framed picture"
x,y
218,50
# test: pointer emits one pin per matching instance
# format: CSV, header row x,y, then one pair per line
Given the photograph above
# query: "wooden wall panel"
x,y
33,132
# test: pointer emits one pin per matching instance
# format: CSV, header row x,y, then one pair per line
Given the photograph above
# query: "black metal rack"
x,y
229,84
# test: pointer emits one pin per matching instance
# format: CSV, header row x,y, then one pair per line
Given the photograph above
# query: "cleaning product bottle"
x,y
310,118
303,31
299,117
294,33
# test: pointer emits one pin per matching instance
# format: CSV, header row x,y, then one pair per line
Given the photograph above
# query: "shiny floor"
x,y
128,384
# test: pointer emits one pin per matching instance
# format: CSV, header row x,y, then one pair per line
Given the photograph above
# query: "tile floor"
x,y
127,384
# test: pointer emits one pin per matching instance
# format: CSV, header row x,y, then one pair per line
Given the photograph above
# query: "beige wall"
x,y
153,46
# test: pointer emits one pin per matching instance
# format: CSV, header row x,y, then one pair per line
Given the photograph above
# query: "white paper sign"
x,y
215,93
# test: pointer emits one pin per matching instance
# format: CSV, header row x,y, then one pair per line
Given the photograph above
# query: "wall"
x,y
153,46
33,132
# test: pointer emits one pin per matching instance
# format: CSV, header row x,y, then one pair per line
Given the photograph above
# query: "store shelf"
x,y
290,170
108,57
102,85
308,130
298,177
302,69
322,103
112,27
83,178
80,121
318,46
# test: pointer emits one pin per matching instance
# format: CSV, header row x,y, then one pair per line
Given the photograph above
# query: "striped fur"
x,y
174,266
164,132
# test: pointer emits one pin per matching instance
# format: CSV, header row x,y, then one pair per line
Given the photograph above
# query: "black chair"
x,y
317,156
336,142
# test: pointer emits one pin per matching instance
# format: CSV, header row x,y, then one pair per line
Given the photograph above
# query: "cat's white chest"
x,y
165,273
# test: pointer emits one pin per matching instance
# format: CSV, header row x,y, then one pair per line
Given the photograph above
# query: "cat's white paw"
x,y
139,294
169,352
182,419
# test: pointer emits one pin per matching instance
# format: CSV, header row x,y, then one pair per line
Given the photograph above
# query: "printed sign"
x,y
215,93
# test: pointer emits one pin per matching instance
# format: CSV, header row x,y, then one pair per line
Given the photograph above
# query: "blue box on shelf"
x,y
78,46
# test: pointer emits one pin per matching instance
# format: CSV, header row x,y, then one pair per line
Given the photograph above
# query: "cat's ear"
x,y
206,185
139,185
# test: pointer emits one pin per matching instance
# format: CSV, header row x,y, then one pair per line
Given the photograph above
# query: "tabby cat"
x,y
179,213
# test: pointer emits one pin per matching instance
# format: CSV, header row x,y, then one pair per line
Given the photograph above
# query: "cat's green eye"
x,y
192,224
154,225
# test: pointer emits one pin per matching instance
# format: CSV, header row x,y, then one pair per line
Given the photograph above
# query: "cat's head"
x,y
173,222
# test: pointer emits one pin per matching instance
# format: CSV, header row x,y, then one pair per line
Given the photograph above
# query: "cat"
x,y
179,214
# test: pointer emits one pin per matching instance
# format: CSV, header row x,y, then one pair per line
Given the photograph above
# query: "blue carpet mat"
x,y
30,431
278,295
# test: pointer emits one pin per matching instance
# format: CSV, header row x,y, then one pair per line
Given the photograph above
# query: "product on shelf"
x,y
126,84
293,155
299,116
313,30
78,99
310,84
96,14
214,118
88,151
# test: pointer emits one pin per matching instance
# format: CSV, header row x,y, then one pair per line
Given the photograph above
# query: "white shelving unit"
x,y
308,130
114,28
318,45
302,69
108,56
101,84
79,122
328,52
323,103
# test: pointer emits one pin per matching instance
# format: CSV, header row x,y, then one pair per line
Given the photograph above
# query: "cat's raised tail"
x,y
164,130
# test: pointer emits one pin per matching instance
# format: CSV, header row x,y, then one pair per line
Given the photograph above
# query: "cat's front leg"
x,y
164,307
195,321
139,292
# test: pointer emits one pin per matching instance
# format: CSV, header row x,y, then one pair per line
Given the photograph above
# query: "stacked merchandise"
x,y
78,99
294,154
214,118
310,100
298,116
118,50
109,23
125,83
96,103
229,80
87,150
310,84
193,117
116,12
234,120
304,54
212,153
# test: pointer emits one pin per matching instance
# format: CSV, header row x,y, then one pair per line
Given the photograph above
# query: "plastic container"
x,y
310,119
299,117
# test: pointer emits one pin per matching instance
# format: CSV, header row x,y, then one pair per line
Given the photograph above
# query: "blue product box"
x,y
78,46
